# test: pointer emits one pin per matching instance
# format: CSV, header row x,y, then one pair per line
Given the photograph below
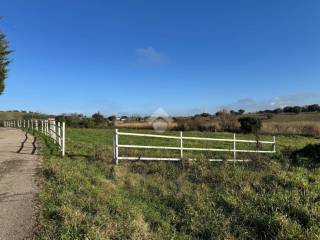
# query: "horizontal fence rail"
x,y
181,148
53,129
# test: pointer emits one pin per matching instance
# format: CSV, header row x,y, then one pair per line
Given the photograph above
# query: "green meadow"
x,y
86,196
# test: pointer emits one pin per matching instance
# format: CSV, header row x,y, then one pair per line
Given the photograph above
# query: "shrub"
x,y
250,124
269,115
98,118
309,156
227,121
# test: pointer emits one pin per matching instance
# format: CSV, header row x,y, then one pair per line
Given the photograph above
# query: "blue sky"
x,y
182,56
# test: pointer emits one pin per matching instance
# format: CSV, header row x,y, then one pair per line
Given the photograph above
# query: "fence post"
x,y
63,138
274,144
181,145
116,150
54,129
234,148
59,133
49,129
113,146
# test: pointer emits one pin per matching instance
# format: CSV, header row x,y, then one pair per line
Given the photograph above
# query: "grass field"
x,y
85,196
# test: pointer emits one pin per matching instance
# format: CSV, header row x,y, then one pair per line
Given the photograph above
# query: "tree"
x,y
288,109
112,118
98,118
205,114
250,125
241,111
297,109
4,61
277,110
313,108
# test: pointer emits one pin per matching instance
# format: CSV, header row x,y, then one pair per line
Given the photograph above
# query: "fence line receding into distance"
x,y
53,129
181,148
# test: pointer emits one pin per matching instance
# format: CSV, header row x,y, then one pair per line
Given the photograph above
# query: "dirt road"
x,y
18,162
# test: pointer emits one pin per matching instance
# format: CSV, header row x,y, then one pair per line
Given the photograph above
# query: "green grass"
x,y
85,196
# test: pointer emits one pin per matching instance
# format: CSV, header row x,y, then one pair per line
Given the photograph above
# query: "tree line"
x,y
294,109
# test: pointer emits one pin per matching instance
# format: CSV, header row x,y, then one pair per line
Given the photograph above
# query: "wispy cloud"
x,y
251,105
150,56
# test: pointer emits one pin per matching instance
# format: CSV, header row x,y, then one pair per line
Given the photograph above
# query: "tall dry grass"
x,y
185,124
141,125
307,128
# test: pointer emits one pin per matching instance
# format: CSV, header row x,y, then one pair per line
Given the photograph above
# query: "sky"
x,y
186,57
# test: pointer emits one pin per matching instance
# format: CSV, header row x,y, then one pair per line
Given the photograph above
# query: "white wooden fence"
x,y
181,148
53,129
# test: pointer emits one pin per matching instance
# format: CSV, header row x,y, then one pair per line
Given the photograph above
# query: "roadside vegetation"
x,y
85,196
21,115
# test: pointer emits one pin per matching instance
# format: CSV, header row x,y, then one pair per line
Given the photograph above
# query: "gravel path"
x,y
18,162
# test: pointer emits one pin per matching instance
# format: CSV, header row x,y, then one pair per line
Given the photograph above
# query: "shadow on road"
x,y
34,146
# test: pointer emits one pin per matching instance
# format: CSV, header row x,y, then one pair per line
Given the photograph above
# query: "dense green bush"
x,y
98,118
250,124
77,121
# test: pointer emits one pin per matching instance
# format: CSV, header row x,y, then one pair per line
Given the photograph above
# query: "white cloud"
x,y
150,56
